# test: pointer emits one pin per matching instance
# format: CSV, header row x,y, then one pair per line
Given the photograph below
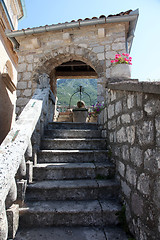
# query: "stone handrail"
x,y
14,146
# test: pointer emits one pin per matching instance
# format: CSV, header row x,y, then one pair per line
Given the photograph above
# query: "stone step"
x,y
71,125
69,213
58,171
74,133
72,190
71,233
76,144
49,156
65,118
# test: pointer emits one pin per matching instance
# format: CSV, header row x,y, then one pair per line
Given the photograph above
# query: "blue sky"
x,y
146,44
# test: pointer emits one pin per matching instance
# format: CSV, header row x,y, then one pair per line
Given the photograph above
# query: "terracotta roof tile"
x,y
86,19
121,13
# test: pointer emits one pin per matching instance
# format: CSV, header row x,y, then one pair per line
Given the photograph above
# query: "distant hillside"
x,y
66,87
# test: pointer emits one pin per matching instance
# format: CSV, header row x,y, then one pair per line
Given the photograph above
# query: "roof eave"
x,y
131,18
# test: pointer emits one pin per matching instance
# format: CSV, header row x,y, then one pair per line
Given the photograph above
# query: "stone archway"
x,y
48,62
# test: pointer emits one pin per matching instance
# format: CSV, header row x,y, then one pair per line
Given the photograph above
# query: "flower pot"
x,y
121,71
93,119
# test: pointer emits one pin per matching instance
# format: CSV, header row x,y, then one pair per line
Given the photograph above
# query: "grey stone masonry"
x,y
133,126
41,53
33,118
74,187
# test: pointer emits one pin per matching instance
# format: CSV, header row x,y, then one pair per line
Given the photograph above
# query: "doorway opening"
x,y
70,77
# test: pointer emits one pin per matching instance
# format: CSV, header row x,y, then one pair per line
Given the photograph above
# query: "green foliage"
x,y
122,219
102,177
66,87
109,153
123,222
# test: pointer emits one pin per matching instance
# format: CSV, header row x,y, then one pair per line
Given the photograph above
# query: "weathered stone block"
x,y
125,189
143,184
27,93
84,45
118,121
110,54
29,84
118,107
29,68
66,36
22,67
99,49
131,175
101,32
120,39
27,76
112,95
29,58
137,204
35,43
104,133
121,135
108,48
108,73
22,101
13,220
22,85
111,137
108,63
130,134
137,115
139,99
152,107
121,168
112,124
145,133
157,125
18,92
125,118
125,152
110,111
130,101
136,156
152,160
117,152
156,189
21,59
100,56
118,46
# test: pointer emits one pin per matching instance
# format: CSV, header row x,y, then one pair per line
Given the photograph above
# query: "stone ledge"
x,y
8,82
133,86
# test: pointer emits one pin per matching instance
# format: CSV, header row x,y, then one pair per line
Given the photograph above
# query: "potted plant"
x,y
96,110
121,66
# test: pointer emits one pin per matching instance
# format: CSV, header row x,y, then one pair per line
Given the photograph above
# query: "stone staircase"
x,y
65,117
74,195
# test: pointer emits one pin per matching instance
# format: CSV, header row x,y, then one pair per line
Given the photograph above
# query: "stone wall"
x,y
40,53
134,137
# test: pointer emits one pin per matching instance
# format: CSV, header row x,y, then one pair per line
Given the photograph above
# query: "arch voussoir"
x,y
57,56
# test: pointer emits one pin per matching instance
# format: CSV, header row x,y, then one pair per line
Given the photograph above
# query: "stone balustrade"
x,y
24,135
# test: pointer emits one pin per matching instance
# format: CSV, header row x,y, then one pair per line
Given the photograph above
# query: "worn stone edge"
x,y
146,87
